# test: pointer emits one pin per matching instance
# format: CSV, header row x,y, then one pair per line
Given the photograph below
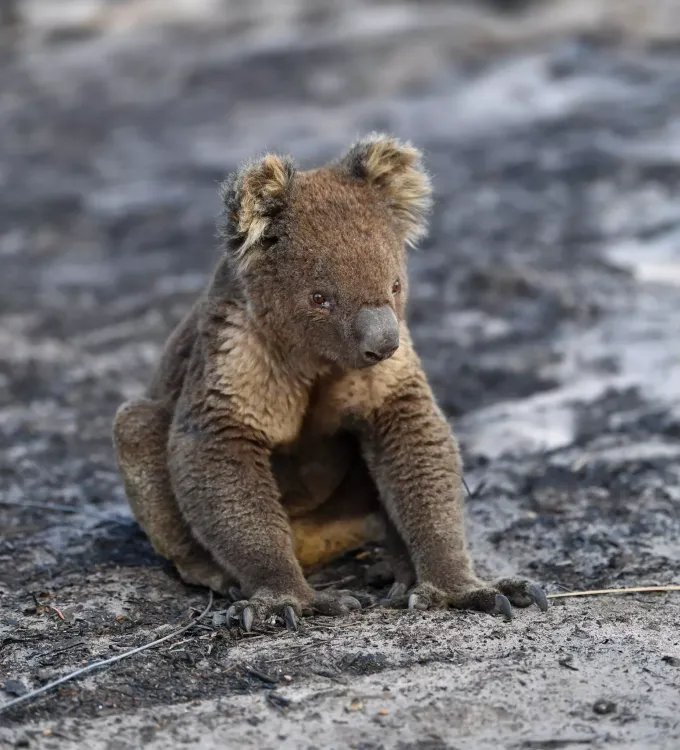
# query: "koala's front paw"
x,y
285,610
496,598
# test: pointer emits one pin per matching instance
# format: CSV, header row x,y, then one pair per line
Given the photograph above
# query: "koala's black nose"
x,y
377,331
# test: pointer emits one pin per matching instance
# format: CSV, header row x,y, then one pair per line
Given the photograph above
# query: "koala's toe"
x,y
247,617
247,612
483,599
522,593
425,596
418,602
503,607
290,619
397,591
350,602
334,604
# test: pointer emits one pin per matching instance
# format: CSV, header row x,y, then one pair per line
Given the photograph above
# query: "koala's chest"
x,y
337,403
330,407
287,410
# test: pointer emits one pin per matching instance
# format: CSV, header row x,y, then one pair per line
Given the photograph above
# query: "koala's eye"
x,y
320,301
396,287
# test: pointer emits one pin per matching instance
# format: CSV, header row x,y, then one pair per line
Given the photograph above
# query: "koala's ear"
x,y
251,197
395,168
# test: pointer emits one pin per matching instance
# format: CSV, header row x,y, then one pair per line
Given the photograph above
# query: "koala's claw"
x,y
247,617
327,604
503,606
538,595
417,602
290,619
496,599
232,616
522,593
287,610
246,612
397,591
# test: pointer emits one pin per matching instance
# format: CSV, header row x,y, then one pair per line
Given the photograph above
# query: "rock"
x,y
603,707
219,619
14,687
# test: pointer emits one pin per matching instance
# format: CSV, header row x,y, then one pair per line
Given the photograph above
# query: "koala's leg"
x,y
140,437
414,461
400,563
222,477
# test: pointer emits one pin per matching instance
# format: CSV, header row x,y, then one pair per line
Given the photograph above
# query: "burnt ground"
x,y
545,304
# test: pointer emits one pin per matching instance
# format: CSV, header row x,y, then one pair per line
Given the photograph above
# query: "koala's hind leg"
x,y
140,437
348,519
352,516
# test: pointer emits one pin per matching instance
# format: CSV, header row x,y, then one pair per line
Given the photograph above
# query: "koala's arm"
x,y
415,463
222,478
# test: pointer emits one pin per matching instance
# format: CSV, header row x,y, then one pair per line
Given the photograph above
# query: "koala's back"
x,y
168,379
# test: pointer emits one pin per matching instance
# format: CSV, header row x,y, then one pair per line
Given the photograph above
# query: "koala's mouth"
x,y
368,359
372,358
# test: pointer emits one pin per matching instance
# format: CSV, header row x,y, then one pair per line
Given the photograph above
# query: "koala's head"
x,y
322,253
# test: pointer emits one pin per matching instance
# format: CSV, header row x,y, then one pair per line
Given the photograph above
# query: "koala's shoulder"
x,y
243,374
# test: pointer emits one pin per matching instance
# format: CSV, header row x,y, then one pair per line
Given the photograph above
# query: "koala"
x,y
290,419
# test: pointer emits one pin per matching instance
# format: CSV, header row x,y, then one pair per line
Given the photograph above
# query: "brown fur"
x,y
266,444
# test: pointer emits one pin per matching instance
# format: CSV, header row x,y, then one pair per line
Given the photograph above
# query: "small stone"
x,y
126,690
355,705
14,687
603,707
44,675
219,619
383,712
568,662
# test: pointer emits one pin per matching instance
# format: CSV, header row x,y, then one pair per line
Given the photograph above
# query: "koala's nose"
x,y
378,334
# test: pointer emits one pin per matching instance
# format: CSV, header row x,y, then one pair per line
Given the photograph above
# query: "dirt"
x,y
545,305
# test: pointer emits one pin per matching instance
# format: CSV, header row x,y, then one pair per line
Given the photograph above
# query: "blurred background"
x,y
545,301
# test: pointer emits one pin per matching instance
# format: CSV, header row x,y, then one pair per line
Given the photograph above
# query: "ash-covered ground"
x,y
545,304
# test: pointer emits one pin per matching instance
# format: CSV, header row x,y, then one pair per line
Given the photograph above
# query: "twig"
x,y
595,592
58,612
339,582
54,507
106,662
302,651
176,645
260,674
279,702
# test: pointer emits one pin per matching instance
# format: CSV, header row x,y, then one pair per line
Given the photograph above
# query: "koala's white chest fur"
x,y
286,408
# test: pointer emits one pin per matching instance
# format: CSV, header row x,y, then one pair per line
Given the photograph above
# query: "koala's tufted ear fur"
x,y
251,197
396,169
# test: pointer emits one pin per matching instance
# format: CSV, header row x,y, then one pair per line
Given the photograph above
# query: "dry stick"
x,y
594,592
106,662
54,507
339,582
